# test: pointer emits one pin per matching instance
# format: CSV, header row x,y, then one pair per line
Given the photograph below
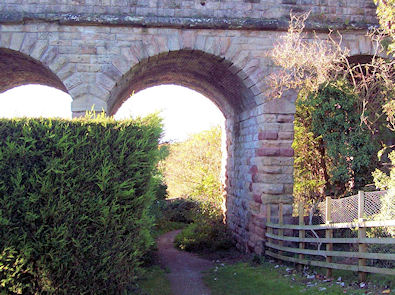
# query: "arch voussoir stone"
x,y
38,49
16,41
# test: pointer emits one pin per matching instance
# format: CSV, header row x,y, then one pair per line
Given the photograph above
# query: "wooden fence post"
x,y
280,222
301,232
268,220
361,235
328,233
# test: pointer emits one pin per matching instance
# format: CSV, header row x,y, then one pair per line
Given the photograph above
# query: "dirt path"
x,y
185,268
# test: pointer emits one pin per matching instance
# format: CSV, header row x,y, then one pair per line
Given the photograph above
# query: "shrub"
x,y
74,197
205,236
348,143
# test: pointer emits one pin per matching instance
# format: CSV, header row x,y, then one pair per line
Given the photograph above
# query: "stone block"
x,y
276,199
28,43
267,152
38,49
73,81
105,81
266,188
49,56
122,66
279,106
268,135
286,152
285,118
16,41
66,71
88,102
257,198
286,135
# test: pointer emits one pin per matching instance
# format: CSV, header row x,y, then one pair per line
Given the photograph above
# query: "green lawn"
x,y
155,282
265,279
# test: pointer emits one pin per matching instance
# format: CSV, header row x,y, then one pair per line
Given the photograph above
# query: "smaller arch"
x,y
359,59
18,69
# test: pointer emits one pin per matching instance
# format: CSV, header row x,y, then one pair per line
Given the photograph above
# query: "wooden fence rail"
x,y
278,245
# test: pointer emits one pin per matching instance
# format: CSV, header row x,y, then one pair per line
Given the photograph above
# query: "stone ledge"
x,y
174,22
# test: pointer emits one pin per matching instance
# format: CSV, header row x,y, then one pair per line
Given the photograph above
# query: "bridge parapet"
x,y
243,14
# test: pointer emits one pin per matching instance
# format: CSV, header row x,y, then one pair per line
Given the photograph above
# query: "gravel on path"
x,y
185,268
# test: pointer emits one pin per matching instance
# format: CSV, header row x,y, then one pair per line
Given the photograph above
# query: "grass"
x,y
378,280
155,282
265,279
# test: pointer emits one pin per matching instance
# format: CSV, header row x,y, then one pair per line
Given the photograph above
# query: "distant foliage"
x,y
386,15
74,197
192,172
193,168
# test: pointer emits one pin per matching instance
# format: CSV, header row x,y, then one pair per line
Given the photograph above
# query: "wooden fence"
x,y
296,247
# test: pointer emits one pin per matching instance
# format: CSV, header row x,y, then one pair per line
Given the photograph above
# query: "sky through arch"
x,y
35,101
183,110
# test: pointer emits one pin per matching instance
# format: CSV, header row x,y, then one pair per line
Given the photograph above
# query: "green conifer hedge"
x,y
74,197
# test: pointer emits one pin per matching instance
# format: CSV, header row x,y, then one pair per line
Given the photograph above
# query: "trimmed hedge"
x,y
74,198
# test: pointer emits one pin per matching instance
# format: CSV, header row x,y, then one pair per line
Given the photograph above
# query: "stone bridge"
x,y
100,51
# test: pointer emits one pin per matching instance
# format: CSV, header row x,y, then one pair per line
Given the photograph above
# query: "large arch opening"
x,y
230,89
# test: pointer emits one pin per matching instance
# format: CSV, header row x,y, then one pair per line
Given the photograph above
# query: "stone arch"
x,y
227,85
36,58
18,69
213,76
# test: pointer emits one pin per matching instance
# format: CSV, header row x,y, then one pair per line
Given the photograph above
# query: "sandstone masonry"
x,y
100,51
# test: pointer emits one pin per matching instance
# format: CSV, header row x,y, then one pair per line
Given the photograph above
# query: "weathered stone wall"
x,y
333,10
102,64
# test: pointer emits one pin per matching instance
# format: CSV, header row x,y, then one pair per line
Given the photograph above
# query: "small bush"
x,y
74,199
204,237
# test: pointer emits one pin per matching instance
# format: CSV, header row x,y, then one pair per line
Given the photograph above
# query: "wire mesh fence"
x,y
346,209
376,206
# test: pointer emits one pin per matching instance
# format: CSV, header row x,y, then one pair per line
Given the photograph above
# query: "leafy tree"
x,y
342,109
347,143
193,168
